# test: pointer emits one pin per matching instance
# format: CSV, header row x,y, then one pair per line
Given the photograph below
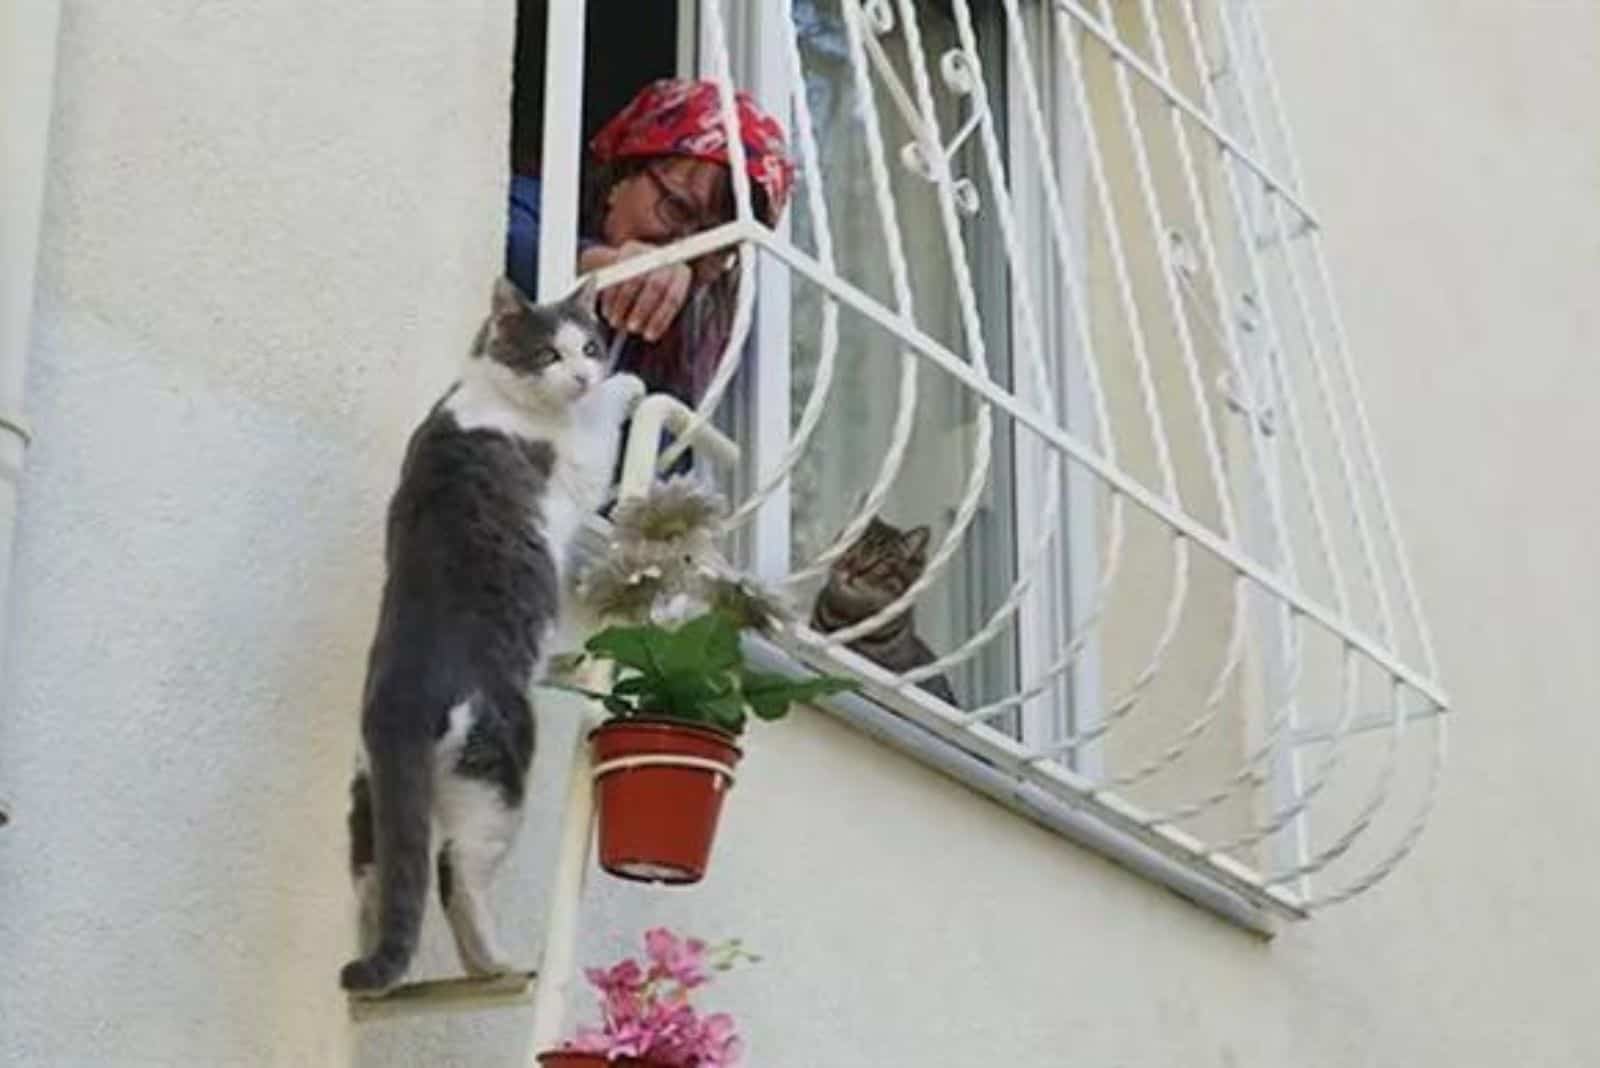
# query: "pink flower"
x,y
718,1046
682,960
626,975
646,1012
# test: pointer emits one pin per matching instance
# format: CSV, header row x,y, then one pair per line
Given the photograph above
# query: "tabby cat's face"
x,y
880,566
546,355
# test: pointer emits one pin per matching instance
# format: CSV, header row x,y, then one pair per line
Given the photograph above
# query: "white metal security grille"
x,y
1215,646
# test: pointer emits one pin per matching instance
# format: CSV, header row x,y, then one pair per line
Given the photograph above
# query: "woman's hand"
x,y
646,305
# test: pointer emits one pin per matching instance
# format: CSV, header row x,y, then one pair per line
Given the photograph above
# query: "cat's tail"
x,y
401,770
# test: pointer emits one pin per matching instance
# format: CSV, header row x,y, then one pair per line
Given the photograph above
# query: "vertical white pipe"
x,y
558,963
558,253
28,33
563,149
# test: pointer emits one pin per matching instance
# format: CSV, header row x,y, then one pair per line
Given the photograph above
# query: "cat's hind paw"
x,y
371,976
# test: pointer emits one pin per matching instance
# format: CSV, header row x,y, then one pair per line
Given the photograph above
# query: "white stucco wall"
x,y
269,230
267,235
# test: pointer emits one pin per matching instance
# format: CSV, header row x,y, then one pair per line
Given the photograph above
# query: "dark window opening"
x,y
627,44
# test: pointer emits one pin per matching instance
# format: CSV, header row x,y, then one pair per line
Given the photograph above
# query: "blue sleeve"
x,y
522,234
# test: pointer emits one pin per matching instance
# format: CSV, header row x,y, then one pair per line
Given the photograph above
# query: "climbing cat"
x,y
495,484
881,564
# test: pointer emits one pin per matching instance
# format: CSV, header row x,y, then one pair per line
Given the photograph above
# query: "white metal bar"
x,y
916,340
558,962
774,480
1090,571
556,969
1234,647
1079,822
1301,874
1112,42
1067,45
1269,532
972,325
1210,708
1159,244
716,39
1408,839
1025,321
1270,575
900,279
661,411
1324,388
689,248
1355,393
1365,724
1007,755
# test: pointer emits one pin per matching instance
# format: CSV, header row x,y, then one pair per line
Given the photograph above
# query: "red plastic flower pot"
x,y
563,1059
659,786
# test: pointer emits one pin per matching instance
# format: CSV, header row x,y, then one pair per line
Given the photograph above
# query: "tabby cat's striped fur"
x,y
879,567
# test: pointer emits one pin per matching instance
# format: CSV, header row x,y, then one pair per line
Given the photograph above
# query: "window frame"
x,y
1055,605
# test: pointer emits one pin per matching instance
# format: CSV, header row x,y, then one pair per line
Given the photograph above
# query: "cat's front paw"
x,y
628,389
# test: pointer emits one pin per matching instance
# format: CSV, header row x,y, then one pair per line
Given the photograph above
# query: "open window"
x,y
1048,287
659,43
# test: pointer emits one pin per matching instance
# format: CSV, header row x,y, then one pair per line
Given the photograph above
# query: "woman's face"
x,y
671,198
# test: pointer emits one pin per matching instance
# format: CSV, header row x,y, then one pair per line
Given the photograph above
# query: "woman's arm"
x,y
646,305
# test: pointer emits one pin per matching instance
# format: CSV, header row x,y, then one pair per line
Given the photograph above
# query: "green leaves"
x,y
706,643
643,648
696,673
770,696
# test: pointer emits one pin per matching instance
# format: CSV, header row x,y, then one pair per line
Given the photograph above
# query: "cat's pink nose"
x,y
583,381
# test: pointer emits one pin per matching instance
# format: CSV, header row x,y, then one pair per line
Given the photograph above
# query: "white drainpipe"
x,y
28,34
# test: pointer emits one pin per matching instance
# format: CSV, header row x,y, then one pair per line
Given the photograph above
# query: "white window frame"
x,y
1055,606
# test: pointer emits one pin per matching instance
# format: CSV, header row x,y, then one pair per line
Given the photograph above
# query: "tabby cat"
x,y
496,482
882,563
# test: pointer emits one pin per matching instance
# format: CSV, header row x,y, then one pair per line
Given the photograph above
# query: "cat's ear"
x,y
915,541
581,299
507,300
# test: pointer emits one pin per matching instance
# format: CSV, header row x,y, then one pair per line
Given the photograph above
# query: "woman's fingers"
x,y
648,304
616,302
659,298
674,295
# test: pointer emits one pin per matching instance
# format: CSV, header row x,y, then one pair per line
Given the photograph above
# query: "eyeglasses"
x,y
676,211
682,216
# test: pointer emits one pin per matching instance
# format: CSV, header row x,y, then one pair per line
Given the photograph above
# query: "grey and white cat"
x,y
877,568
496,482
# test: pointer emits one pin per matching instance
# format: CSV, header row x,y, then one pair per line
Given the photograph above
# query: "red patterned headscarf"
x,y
678,117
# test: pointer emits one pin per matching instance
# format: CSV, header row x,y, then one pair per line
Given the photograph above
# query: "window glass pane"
x,y
855,432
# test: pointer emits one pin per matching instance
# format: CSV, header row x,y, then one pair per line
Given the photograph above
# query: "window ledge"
x,y
1082,821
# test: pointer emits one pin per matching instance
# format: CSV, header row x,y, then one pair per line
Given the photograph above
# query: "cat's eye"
x,y
591,349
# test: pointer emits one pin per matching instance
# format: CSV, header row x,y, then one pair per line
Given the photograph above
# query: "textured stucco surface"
x,y
267,234
269,229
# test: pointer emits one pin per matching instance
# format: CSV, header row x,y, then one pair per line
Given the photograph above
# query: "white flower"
x,y
676,610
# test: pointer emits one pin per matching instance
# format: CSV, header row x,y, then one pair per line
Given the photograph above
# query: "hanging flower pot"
x,y
659,787
665,757
594,1060
679,691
